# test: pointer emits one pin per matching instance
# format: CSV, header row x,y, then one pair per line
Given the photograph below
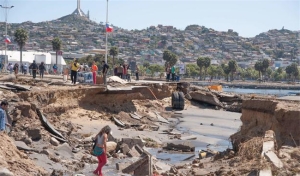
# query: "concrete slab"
x,y
268,146
272,157
265,172
294,98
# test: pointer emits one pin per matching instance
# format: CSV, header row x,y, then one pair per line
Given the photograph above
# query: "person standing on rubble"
x,y
104,71
120,71
3,117
74,69
137,72
101,139
42,69
94,71
33,68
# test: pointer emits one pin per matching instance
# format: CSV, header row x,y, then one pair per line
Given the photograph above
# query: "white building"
x,y
29,56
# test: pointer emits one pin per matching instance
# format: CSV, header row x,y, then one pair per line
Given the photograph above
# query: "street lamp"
x,y
6,7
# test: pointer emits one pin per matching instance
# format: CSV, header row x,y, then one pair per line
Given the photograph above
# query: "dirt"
x,y
15,160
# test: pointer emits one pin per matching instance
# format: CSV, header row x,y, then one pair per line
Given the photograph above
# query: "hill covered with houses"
x,y
80,35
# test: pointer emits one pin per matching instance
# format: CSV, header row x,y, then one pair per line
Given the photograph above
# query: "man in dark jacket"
x,y
34,68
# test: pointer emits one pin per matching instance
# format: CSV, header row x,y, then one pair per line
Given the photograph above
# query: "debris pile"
x,y
227,101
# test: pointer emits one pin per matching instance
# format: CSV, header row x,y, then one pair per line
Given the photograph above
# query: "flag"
x,y
7,40
109,28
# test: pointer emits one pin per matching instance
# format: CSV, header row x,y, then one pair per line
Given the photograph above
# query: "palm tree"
x,y
113,52
232,67
56,45
259,67
206,65
200,63
21,36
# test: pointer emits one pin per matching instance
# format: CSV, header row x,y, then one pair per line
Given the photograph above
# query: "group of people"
x,y
76,67
34,68
170,72
124,71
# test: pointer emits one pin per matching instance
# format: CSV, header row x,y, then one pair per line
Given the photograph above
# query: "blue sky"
x,y
247,17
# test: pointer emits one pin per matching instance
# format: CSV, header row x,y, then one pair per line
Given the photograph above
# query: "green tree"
x,y
206,65
56,45
192,70
226,71
259,67
212,71
200,63
265,66
292,71
146,64
232,64
21,37
170,57
155,68
113,52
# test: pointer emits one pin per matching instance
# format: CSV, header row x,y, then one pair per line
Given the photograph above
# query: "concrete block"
x,y
265,172
132,142
139,149
133,153
125,149
272,157
121,166
268,146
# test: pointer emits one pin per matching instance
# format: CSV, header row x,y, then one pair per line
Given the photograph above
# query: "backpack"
x,y
96,151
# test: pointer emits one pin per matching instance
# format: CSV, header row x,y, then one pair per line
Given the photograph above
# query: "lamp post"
x,y
6,8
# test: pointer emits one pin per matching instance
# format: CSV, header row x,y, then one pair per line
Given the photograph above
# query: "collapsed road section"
x,y
53,127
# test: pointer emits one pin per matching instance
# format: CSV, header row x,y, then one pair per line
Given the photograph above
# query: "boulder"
x,y
53,141
111,146
206,97
35,134
132,142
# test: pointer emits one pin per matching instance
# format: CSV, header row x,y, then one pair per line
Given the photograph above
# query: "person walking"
x,y
101,139
173,73
55,69
120,71
42,69
33,68
137,70
74,69
25,68
16,68
4,124
168,70
104,71
94,71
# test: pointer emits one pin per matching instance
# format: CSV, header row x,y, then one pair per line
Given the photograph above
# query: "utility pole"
x,y
6,8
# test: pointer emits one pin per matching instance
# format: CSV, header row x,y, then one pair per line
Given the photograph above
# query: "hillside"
x,y
148,44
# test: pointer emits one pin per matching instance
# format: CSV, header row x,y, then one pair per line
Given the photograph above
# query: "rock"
x,y
46,152
53,141
132,142
35,134
296,154
5,172
206,97
27,140
265,172
111,146
22,146
185,146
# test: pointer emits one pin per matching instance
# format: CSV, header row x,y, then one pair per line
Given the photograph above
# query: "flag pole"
x,y
106,32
